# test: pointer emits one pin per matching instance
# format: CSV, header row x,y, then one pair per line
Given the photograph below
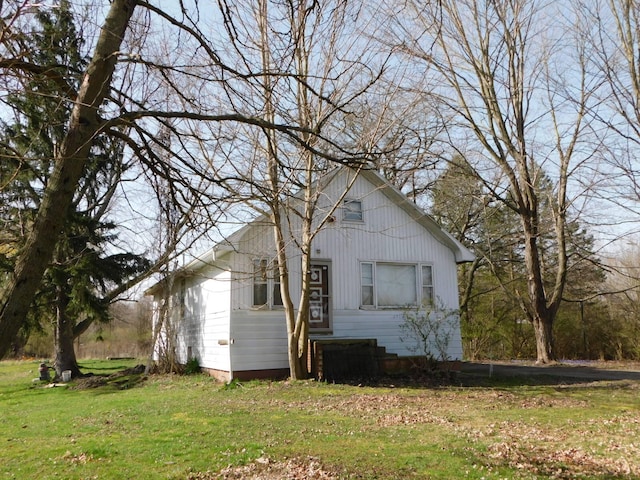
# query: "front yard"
x,y
189,427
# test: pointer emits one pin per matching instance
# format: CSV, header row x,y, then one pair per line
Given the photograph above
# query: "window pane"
x,y
260,282
259,270
352,210
427,285
260,294
367,273
366,283
277,296
427,295
396,285
367,295
427,277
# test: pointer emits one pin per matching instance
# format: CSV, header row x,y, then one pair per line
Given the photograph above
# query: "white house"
x,y
378,254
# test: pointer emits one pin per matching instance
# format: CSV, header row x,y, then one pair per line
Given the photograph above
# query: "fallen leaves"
x,y
265,468
76,458
548,451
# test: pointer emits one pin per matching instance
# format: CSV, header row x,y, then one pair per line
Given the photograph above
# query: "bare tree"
x,y
127,110
303,66
502,70
188,92
610,28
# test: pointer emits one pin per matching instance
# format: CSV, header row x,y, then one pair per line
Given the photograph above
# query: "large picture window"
x,y
395,285
266,284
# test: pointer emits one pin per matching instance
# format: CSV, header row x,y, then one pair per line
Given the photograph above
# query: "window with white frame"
x,y
427,285
395,285
352,210
266,283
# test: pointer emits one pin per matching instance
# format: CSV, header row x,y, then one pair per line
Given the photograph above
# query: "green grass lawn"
x,y
190,427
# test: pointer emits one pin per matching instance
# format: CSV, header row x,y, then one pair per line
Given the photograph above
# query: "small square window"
x,y
352,211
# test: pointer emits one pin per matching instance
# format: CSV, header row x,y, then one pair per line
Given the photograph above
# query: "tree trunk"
x,y
537,308
84,125
65,355
544,340
300,338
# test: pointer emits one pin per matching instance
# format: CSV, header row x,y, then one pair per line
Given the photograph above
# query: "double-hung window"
x,y
395,285
266,283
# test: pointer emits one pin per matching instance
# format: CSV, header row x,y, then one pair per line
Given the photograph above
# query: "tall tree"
x,y
69,162
81,273
611,29
303,68
187,91
496,67
491,285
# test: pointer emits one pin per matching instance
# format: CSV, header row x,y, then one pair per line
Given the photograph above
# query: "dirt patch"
x,y
265,468
86,383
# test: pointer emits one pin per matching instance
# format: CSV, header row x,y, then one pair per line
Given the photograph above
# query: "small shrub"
x,y
429,329
232,385
192,366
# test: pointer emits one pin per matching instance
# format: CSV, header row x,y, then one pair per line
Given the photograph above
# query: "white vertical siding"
x,y
387,234
224,330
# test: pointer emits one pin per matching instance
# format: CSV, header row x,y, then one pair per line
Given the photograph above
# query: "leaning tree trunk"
x,y
84,125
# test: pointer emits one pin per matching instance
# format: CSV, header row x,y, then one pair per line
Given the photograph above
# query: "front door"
x,y
319,308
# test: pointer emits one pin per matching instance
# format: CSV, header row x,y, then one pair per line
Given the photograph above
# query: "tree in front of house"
x,y
313,65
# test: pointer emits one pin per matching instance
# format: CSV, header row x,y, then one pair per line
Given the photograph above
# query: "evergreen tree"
x,y
75,288
494,322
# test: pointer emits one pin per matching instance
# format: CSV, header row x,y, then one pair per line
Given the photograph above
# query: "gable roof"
x,y
461,253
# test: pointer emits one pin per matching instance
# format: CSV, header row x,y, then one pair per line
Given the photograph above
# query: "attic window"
x,y
352,210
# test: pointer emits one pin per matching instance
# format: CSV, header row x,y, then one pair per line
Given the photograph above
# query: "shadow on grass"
x,y
504,375
105,383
